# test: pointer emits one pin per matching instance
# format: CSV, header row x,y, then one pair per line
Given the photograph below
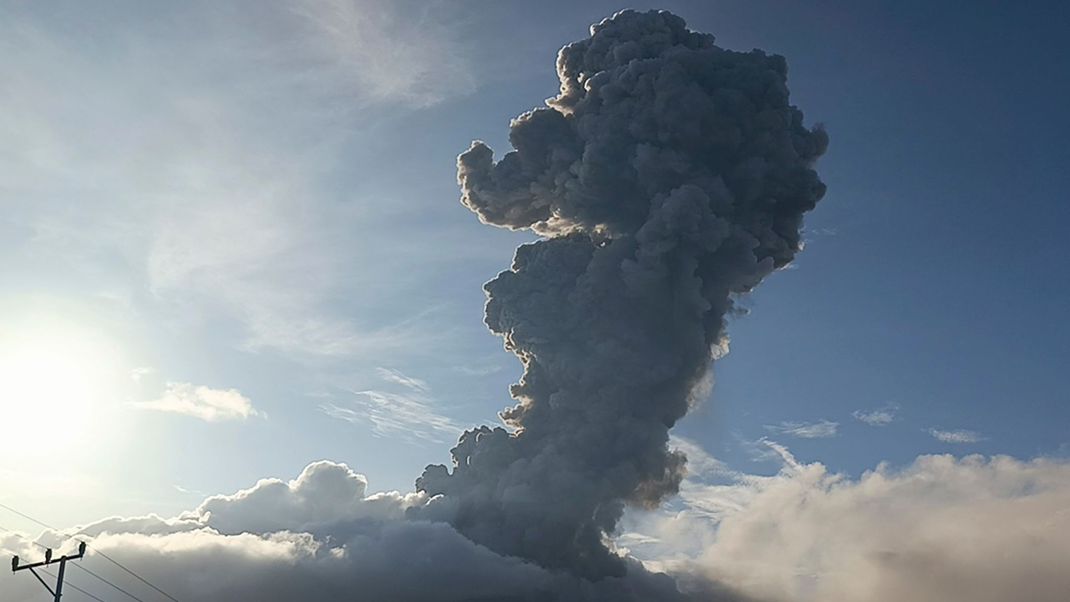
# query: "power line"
x,y
69,584
106,557
139,577
74,587
30,518
20,536
116,587
57,590
27,517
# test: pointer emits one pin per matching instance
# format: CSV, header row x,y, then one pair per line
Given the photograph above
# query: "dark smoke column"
x,y
667,176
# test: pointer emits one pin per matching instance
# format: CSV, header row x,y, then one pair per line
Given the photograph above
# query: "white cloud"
x,y
397,414
943,528
138,373
806,430
480,366
412,57
194,200
956,436
478,370
410,413
394,376
880,417
699,461
204,403
325,493
318,537
782,453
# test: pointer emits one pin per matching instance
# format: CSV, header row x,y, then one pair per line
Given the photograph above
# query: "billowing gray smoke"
x,y
667,176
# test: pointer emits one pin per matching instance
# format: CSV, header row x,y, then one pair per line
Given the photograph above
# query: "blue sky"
x,y
254,209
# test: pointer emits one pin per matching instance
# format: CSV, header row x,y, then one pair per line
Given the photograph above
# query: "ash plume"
x,y
667,176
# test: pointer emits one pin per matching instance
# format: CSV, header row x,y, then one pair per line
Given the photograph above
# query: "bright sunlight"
x,y
55,381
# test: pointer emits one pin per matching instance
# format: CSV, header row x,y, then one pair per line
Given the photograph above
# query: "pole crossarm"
x,y
57,593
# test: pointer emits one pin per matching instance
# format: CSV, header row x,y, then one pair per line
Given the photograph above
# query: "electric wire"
x,y
98,577
26,516
20,536
73,586
105,556
139,577
77,566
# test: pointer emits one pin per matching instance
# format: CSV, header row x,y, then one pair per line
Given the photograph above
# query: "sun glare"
x,y
55,384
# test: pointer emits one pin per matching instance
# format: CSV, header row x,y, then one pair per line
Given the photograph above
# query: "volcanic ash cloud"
x,y
668,176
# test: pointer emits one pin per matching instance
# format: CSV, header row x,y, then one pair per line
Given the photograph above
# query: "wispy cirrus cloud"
x,y
203,403
194,200
397,377
386,54
767,450
821,429
956,435
410,412
879,417
699,461
478,369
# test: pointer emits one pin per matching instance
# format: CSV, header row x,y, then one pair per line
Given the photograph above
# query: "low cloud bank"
x,y
944,528
317,537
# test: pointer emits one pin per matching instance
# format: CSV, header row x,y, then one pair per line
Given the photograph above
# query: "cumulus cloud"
x,y
956,435
821,429
879,417
204,403
320,536
943,528
325,493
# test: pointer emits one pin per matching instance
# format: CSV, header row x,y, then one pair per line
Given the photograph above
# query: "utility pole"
x,y
62,560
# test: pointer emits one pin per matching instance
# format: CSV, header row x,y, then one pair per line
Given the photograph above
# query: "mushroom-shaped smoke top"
x,y
667,176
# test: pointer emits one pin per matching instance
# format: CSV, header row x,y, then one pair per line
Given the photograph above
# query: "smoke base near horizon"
x,y
942,528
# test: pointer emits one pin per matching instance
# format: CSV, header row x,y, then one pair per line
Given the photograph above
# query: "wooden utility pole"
x,y
62,561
